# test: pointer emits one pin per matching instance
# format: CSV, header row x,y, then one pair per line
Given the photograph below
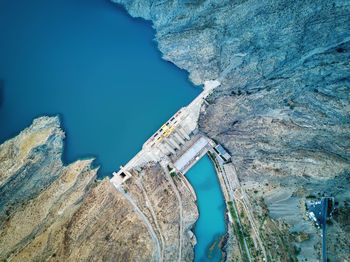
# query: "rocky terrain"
x,y
52,212
283,107
282,112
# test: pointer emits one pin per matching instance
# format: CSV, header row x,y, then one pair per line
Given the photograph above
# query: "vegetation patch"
x,y
213,158
238,231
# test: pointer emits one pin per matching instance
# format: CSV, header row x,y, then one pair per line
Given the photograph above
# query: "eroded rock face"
x,y
283,108
169,208
70,216
29,162
282,111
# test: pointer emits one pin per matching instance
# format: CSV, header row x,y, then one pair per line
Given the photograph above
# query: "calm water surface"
x,y
92,64
210,226
99,69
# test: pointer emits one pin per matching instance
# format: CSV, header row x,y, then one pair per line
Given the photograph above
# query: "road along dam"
x,y
176,143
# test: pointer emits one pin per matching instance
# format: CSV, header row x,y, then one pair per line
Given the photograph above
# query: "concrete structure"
x,y
169,148
222,152
192,155
169,138
179,138
182,132
121,176
172,141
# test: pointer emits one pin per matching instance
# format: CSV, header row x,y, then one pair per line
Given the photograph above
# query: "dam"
x,y
177,146
177,142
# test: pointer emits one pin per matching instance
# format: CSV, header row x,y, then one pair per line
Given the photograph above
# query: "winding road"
x,y
144,218
180,206
149,205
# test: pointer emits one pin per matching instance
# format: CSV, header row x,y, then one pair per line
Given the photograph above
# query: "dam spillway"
x,y
177,134
192,155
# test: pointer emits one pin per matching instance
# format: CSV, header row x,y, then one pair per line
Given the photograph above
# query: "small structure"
x,y
319,211
121,176
222,152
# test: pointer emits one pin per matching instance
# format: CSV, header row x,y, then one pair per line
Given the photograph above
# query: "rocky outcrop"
x,y
29,162
283,108
170,209
282,111
54,212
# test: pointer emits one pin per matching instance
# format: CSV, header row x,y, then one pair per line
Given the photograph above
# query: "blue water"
x,y
210,226
95,66
100,70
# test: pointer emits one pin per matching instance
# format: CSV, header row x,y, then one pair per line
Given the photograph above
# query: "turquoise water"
x,y
210,226
95,66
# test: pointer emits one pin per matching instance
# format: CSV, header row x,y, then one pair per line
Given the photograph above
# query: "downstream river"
x,y
210,226
100,70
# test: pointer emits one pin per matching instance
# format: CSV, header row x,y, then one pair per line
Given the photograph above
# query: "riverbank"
x,y
210,227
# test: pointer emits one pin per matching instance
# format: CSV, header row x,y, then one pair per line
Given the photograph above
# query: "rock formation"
x,y
282,112
54,212
283,107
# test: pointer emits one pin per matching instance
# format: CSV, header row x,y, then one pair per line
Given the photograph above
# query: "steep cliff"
x,y
61,213
283,107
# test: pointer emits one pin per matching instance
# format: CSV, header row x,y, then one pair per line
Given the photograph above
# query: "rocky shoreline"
x,y
282,111
72,216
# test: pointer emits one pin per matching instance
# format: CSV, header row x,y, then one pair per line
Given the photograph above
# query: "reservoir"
x,y
95,66
210,226
99,69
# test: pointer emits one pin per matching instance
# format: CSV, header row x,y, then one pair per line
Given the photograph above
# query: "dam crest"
x,y
176,143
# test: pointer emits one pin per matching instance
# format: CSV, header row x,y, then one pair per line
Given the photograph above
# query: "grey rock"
x,y
30,162
283,109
